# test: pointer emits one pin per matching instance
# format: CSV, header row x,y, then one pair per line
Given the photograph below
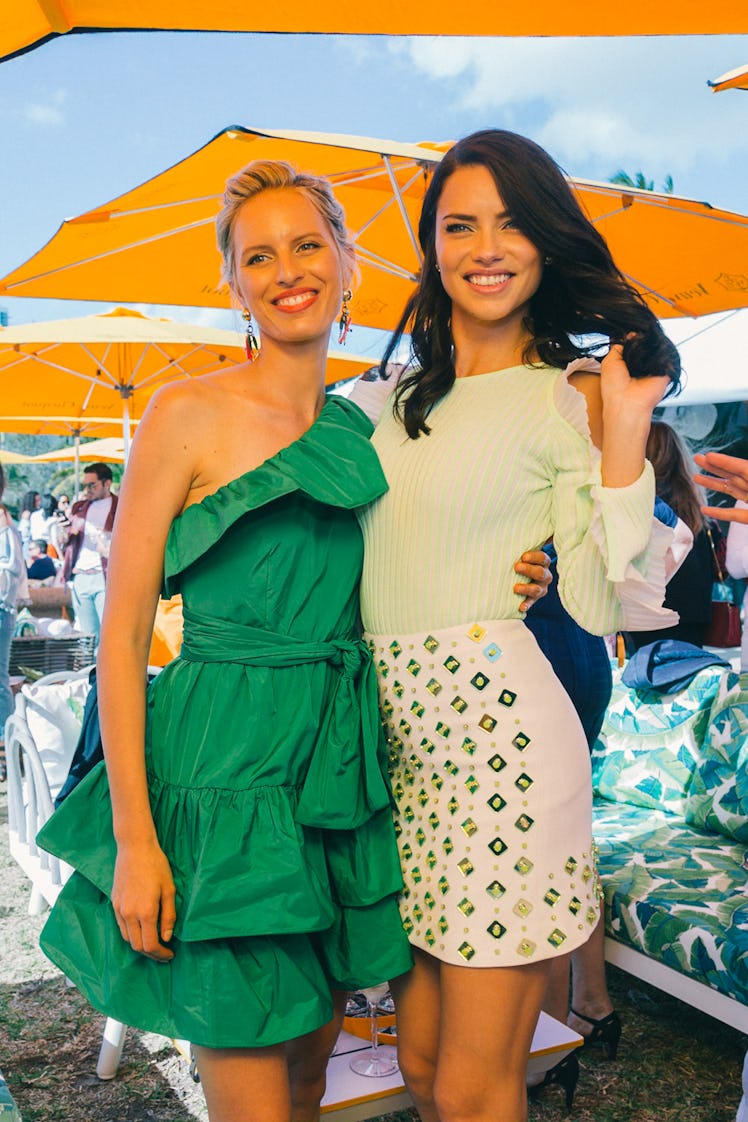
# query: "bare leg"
x,y
488,1020
556,1000
245,1084
589,985
417,1003
307,1064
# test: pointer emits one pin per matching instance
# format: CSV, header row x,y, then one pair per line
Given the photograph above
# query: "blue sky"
x,y
86,117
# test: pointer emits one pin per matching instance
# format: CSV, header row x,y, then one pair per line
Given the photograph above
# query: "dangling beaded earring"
x,y
345,321
251,346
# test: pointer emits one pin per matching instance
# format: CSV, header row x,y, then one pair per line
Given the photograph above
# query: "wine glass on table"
x,y
374,1062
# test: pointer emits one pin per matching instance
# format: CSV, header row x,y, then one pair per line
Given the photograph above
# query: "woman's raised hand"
x,y
620,391
143,899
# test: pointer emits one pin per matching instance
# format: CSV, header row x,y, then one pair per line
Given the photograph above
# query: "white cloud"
x,y
49,112
598,104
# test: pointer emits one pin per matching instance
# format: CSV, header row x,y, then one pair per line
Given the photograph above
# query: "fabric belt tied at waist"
x,y
344,784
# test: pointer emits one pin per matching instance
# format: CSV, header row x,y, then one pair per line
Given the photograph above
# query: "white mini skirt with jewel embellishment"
x,y
491,772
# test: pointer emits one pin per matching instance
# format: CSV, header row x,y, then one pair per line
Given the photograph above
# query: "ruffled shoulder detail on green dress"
x,y
332,462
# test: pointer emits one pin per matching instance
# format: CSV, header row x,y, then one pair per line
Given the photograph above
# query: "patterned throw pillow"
x,y
718,795
650,743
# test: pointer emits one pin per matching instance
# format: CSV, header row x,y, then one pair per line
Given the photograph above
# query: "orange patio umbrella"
x,y
733,80
156,243
91,372
26,23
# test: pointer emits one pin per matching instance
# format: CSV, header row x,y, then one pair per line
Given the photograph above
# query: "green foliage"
x,y
641,182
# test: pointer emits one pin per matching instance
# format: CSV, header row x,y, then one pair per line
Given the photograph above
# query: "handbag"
x,y
724,628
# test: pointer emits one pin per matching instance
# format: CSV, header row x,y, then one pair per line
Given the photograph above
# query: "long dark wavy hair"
x,y
671,462
581,293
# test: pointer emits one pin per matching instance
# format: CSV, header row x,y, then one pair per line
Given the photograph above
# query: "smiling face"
x,y
488,268
288,269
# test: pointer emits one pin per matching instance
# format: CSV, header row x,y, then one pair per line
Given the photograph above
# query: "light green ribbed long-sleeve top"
x,y
508,464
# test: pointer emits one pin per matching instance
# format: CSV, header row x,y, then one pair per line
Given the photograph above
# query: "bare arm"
x,y
154,491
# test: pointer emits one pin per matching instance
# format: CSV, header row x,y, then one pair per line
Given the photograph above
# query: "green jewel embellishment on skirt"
x,y
469,827
448,847
527,948
406,851
465,866
453,665
431,859
387,708
415,762
427,745
506,697
468,746
431,644
497,763
437,782
497,846
496,803
443,925
575,905
434,820
417,913
420,836
433,686
443,885
414,668
524,782
552,897
521,740
442,729
404,727
466,951
466,907
415,875
429,937
453,806
417,708
523,866
496,929
398,689
571,866
522,908
408,813
556,937
495,889
450,768
524,823
382,668
408,925
480,681
429,900
472,784
395,649
487,722
423,796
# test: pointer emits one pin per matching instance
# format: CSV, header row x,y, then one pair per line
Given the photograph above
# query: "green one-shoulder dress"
x,y
266,769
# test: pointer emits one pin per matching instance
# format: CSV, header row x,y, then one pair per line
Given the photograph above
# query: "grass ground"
x,y
674,1065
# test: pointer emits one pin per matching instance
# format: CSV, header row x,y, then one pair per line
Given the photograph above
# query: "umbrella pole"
x,y
77,462
125,430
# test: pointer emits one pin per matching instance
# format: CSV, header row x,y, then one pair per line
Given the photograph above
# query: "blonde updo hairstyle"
x,y
276,175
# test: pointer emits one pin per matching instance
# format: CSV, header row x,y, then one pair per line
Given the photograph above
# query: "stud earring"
x,y
251,346
547,260
345,322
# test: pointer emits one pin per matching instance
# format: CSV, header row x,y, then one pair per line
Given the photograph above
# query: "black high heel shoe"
x,y
565,1073
606,1032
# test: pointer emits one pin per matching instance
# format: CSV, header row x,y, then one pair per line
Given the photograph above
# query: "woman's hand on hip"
x,y
143,900
536,566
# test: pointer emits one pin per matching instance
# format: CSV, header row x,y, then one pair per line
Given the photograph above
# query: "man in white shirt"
x,y
87,550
